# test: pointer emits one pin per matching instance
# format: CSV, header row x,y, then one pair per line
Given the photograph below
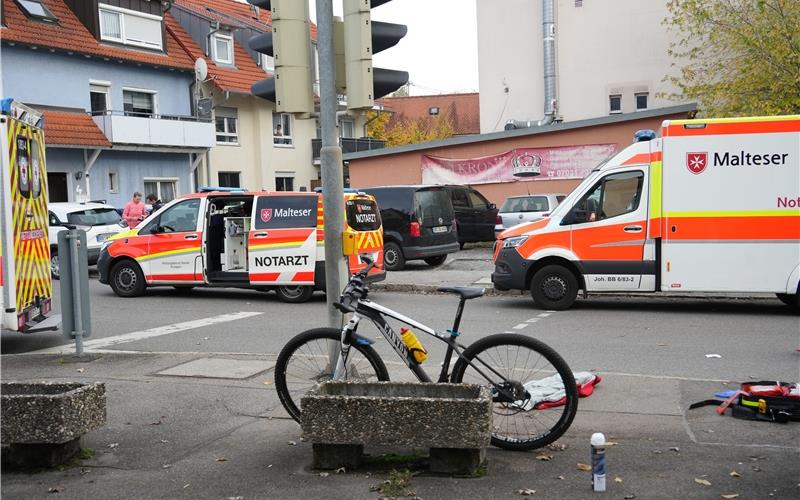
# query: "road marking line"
x,y
147,334
544,315
520,326
532,320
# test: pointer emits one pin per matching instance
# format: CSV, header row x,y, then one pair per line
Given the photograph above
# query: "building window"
x,y
164,189
99,94
139,102
229,179
267,63
226,120
641,101
282,129
35,10
284,181
347,129
433,110
113,183
223,49
130,27
614,104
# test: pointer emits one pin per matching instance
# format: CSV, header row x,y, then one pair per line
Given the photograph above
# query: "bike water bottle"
x,y
414,345
598,461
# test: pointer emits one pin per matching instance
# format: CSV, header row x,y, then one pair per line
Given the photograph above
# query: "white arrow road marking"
x,y
532,320
544,315
520,326
158,331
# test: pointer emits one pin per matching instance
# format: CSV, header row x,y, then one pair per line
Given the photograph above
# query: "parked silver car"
x,y
525,208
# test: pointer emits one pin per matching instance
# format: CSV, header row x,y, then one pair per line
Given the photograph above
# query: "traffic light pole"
x,y
330,163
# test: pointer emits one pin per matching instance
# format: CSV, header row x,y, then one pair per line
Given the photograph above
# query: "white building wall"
x,y
603,47
256,157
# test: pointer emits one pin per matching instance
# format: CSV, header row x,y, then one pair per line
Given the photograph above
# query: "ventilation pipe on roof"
x,y
549,45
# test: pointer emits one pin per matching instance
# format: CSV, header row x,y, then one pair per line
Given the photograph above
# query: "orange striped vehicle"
x,y
260,240
25,284
711,206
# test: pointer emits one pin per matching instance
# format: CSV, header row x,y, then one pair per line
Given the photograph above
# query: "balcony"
x,y
145,129
348,145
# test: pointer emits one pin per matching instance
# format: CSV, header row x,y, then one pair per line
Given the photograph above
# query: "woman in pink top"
x,y
135,211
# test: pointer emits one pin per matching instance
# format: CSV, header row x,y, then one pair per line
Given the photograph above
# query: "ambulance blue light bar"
x,y
220,189
644,135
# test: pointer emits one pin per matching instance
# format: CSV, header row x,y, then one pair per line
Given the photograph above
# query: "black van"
x,y
418,223
475,215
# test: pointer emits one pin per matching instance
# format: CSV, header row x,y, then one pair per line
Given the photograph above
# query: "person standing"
x,y
135,211
154,202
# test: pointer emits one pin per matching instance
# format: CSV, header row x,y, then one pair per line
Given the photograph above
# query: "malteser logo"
x,y
266,214
696,162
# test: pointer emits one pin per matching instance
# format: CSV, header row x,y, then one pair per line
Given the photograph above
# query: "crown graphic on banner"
x,y
526,165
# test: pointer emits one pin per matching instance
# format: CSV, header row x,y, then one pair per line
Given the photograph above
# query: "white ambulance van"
x,y
25,284
238,239
710,206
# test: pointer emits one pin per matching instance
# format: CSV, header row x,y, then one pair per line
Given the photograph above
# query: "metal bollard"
x,y
74,283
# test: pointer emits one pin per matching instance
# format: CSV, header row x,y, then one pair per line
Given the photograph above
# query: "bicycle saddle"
x,y
466,292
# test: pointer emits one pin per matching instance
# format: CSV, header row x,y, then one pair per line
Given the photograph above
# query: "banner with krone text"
x,y
566,162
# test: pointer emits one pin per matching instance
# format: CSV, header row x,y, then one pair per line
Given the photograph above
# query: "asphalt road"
x,y
651,353
648,336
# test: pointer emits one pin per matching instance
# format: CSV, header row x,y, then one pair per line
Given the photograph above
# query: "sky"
x,y
440,51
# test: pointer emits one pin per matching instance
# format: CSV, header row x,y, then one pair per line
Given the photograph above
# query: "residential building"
x,y
115,84
256,147
461,110
610,58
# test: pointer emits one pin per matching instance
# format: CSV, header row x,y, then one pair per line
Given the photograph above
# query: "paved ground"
x,y
167,435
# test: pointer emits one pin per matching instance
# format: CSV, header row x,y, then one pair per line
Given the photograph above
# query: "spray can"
x,y
598,461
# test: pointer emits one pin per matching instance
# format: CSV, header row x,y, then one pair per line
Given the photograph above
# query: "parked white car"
x,y
525,208
99,220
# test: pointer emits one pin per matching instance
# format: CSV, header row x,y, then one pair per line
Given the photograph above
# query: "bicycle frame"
x,y
376,313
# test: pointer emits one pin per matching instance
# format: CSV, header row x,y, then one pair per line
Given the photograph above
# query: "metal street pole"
x,y
330,163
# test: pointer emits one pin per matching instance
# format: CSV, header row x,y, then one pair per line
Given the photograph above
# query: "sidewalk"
x,y
195,437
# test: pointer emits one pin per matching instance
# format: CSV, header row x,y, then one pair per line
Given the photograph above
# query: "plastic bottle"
x,y
598,461
414,345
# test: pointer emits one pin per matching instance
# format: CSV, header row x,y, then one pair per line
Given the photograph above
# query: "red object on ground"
x,y
584,390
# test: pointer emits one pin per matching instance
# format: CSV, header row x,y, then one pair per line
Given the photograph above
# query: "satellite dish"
x,y
200,69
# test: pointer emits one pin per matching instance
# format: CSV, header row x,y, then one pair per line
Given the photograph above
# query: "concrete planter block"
x,y
442,417
42,422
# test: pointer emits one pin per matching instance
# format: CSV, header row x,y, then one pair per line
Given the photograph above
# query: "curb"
x,y
490,291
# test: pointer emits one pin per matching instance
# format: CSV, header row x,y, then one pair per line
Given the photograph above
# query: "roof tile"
x,y
64,128
71,35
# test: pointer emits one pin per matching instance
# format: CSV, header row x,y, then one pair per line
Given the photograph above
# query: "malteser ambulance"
x,y
260,240
711,206
25,284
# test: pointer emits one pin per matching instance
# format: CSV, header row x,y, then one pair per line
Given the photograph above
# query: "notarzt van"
x,y
711,206
235,239
25,285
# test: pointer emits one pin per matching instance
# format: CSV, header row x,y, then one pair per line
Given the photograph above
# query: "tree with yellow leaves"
x,y
737,57
407,131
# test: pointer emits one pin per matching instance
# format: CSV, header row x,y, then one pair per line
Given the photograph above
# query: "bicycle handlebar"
x,y
355,289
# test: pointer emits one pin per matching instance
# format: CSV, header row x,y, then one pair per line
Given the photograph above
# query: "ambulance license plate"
x,y
440,229
34,313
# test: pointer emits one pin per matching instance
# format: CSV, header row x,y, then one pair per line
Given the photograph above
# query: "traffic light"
x,y
289,44
362,39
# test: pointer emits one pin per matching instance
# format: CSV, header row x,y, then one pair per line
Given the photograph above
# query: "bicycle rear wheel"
x,y
537,415
303,363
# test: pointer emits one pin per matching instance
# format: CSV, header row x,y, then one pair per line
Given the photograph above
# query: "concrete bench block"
x,y
42,422
454,417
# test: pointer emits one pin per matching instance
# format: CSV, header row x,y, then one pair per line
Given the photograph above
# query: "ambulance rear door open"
x,y
726,228
282,242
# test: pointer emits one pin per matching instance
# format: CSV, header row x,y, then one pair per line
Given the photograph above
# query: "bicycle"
x,y
528,412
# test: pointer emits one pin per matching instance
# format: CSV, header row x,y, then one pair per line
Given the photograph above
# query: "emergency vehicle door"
x,y
609,228
282,244
174,253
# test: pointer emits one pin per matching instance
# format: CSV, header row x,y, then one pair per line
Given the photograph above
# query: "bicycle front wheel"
x,y
545,396
304,362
